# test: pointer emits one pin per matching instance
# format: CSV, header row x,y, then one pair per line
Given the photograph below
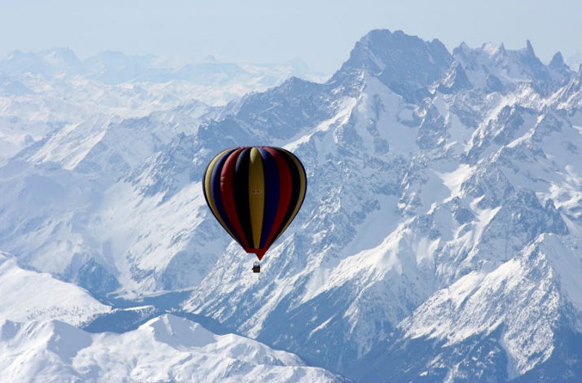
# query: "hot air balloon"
x,y
255,192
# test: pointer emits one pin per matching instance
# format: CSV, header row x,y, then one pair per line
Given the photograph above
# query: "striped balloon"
x,y
255,192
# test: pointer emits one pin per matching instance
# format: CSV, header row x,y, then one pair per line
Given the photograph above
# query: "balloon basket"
x,y
256,267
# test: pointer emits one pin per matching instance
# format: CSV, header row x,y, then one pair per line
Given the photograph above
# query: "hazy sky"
x,y
320,32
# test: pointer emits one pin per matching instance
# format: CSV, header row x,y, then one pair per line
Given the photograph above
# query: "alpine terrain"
x,y
439,240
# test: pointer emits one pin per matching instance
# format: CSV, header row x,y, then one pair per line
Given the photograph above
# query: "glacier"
x,y
439,239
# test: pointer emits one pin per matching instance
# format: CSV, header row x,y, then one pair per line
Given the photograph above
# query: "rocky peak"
x,y
406,64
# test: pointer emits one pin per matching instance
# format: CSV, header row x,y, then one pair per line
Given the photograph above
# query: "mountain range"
x,y
439,239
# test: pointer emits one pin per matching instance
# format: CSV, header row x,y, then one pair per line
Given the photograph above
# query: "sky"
x,y
319,32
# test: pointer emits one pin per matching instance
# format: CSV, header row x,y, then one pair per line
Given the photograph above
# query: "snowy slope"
x,y
167,348
494,325
29,295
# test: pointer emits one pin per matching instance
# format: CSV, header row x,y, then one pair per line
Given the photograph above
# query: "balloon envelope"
x,y
255,192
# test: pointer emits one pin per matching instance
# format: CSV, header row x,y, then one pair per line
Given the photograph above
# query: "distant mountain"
x,y
113,67
49,63
439,239
41,92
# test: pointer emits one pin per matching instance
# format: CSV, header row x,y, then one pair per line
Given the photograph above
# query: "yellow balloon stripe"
x,y
256,195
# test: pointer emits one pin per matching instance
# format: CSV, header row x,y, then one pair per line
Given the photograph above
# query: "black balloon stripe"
x,y
241,193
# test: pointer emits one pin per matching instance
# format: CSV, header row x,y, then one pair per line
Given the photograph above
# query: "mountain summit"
x,y
405,64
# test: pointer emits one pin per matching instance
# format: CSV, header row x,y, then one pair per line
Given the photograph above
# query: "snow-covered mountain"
x,y
418,190
165,349
439,239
